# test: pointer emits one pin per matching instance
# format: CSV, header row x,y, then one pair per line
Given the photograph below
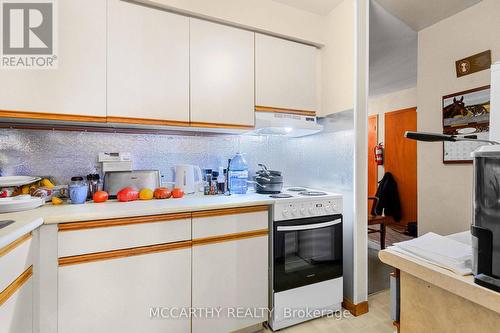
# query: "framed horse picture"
x,y
465,113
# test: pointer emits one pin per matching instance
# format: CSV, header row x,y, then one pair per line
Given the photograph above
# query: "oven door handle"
x,y
308,226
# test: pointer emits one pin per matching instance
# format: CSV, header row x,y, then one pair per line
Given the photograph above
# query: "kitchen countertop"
x,y
462,286
27,221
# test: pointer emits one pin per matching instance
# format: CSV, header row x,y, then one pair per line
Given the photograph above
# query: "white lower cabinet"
x,y
230,271
16,314
16,286
123,295
232,277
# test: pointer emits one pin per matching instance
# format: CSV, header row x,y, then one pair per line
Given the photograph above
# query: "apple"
x,y
162,193
127,194
100,196
177,193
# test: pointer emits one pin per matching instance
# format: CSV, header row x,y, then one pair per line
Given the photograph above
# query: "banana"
x,y
46,183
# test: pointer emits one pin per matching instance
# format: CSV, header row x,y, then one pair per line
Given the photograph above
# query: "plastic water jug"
x,y
238,175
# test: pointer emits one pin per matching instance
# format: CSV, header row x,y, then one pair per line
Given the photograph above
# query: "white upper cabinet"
x,y
285,74
222,74
148,63
78,85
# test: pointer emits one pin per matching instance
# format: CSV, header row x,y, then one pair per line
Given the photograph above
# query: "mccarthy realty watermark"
x,y
28,34
242,312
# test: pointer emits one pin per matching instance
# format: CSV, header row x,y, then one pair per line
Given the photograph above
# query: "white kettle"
x,y
188,177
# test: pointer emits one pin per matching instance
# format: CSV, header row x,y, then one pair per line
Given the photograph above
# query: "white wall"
x,y
337,89
360,79
444,191
267,15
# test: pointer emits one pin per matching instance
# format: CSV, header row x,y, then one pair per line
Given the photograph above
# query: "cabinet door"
x,y
16,313
117,295
148,64
285,74
231,275
230,267
78,85
222,75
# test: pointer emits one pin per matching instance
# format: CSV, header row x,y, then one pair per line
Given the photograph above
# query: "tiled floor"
x,y
377,320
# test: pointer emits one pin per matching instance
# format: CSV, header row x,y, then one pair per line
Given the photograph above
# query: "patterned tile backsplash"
x,y
322,161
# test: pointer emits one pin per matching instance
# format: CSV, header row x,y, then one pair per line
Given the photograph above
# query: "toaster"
x,y
114,181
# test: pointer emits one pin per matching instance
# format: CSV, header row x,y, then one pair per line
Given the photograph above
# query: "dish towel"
x,y
439,250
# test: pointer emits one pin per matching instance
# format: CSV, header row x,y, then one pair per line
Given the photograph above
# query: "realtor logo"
x,y
28,34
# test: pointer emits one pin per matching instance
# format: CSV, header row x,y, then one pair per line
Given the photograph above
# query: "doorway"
x,y
399,158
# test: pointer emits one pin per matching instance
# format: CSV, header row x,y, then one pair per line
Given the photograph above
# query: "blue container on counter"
x,y
238,175
78,190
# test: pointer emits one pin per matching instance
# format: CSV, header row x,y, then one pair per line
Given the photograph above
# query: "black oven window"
x,y
305,255
306,249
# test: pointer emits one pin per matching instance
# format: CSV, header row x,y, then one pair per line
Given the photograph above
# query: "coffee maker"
x,y
485,226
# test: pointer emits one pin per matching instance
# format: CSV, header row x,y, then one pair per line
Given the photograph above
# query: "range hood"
x,y
285,124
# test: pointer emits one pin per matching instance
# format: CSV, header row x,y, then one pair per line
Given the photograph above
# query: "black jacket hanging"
x,y
388,198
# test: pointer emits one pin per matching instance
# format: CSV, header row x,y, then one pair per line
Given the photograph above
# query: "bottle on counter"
x,y
238,175
207,178
221,181
213,184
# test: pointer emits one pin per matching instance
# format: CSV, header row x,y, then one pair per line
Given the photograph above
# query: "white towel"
x,y
439,250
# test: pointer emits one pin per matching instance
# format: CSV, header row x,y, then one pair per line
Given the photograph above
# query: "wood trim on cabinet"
x,y
9,247
221,125
122,253
146,121
15,285
261,108
230,211
122,221
230,237
355,309
50,116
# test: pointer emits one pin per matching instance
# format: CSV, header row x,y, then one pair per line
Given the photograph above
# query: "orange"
x,y
146,194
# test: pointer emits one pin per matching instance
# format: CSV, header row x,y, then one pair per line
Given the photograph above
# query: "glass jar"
x,y
78,190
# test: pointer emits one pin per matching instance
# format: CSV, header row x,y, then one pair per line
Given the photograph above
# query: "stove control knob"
x,y
303,211
295,212
328,208
285,213
312,210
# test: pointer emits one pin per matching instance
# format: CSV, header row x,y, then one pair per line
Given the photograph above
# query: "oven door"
x,y
306,251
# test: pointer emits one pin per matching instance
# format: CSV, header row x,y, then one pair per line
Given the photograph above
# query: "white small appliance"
x,y
188,178
285,124
115,162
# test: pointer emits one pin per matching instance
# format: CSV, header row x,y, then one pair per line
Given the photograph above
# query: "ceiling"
x,y
321,7
420,14
393,52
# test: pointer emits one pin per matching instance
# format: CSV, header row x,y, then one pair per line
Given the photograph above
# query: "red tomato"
x,y
177,193
162,193
4,194
100,196
127,194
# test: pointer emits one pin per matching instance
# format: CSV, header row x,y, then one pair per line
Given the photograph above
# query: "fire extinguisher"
x,y
379,154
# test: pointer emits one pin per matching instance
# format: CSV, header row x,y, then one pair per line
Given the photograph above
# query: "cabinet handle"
x,y
308,226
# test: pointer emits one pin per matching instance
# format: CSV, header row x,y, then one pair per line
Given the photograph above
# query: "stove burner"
x,y
281,196
296,189
312,193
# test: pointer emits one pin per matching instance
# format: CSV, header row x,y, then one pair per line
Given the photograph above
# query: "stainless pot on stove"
x,y
268,181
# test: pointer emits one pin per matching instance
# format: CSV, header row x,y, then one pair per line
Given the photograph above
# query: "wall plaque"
x,y
473,64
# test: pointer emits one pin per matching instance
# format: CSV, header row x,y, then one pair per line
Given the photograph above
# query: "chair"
x,y
378,219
